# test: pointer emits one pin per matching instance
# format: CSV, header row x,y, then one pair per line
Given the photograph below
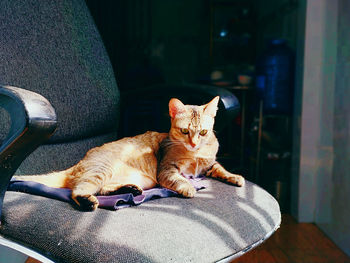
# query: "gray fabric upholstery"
x,y
219,221
53,48
60,156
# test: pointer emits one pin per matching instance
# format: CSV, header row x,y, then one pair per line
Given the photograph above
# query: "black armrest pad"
x,y
33,121
159,96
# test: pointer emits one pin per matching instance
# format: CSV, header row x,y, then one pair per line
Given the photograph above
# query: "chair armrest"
x,y
158,97
33,121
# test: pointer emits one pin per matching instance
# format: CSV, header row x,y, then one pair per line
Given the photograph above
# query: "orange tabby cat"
x,y
147,160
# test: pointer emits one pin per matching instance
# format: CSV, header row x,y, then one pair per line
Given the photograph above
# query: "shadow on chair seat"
x,y
220,221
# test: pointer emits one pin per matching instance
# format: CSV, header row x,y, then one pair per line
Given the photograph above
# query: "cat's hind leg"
x,y
112,189
83,195
218,171
127,179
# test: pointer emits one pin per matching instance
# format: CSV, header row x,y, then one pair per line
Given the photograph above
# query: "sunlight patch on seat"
x,y
84,225
155,205
205,195
28,209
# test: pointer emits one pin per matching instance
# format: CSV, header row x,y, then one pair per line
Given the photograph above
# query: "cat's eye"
x,y
203,132
184,131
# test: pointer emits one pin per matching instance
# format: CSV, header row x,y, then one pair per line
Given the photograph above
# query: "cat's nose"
x,y
194,141
193,144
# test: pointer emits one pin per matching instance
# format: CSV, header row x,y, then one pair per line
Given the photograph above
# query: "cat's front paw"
x,y
236,179
86,202
186,190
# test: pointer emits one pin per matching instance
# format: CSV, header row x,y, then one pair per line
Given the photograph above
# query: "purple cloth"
x,y
112,202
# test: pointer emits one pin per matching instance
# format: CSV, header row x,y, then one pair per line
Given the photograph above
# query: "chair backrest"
x,y
147,109
53,48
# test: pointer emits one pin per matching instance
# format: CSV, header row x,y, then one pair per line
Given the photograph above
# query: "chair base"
x,y
24,250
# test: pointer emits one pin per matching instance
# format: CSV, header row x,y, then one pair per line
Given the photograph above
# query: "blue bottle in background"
x,y
275,78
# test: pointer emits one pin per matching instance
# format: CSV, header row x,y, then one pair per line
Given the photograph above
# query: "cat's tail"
x,y
55,179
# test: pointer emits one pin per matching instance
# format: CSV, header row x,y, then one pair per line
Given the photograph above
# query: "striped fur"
x,y
144,161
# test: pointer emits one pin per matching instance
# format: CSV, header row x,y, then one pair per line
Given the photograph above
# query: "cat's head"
x,y
192,125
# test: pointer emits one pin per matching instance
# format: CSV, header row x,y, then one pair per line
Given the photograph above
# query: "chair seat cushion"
x,y
218,222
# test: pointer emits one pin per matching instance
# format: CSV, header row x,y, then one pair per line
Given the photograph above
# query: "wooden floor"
x,y
297,243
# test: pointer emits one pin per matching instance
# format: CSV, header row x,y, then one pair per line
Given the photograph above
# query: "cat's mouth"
x,y
191,147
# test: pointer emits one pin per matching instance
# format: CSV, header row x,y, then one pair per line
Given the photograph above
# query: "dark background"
x,y
190,42
179,41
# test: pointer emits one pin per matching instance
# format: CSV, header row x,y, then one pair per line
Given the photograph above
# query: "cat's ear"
x,y
212,107
176,107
